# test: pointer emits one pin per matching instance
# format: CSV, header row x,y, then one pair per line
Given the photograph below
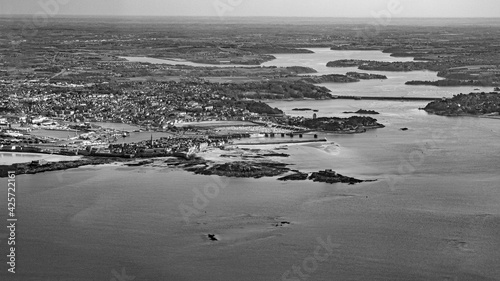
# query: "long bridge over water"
x,y
402,98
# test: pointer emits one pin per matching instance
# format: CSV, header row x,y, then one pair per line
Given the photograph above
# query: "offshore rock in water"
x,y
212,237
330,176
282,223
327,176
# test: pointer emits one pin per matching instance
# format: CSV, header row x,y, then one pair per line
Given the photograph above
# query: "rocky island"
x,y
330,176
303,109
242,169
327,176
349,77
362,111
475,104
248,167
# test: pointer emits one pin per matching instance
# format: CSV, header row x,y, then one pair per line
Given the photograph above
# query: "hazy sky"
x,y
293,8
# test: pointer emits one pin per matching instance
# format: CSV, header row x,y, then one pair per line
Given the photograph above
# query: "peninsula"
x,y
473,104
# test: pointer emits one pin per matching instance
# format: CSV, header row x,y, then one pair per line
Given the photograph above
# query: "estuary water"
x,y
394,86
433,212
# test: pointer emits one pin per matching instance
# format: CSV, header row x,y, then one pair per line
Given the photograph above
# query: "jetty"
x,y
278,142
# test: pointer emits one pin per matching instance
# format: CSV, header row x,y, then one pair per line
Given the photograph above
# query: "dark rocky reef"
x,y
251,169
212,237
186,163
327,176
282,223
297,176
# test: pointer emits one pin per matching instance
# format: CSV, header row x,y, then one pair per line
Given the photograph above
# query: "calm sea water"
x,y
432,214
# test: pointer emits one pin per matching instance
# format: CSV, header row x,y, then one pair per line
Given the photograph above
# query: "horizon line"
x,y
237,17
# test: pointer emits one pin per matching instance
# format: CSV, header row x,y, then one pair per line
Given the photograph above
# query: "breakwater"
x,y
279,142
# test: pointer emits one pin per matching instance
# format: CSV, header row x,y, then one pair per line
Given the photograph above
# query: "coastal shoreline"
x,y
35,168
464,115
280,142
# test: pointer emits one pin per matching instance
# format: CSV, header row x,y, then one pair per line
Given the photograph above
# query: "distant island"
x,y
366,76
304,109
454,73
472,104
362,111
349,77
385,66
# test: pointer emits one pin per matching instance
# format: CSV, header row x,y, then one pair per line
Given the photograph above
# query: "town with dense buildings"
x,y
70,83
250,140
